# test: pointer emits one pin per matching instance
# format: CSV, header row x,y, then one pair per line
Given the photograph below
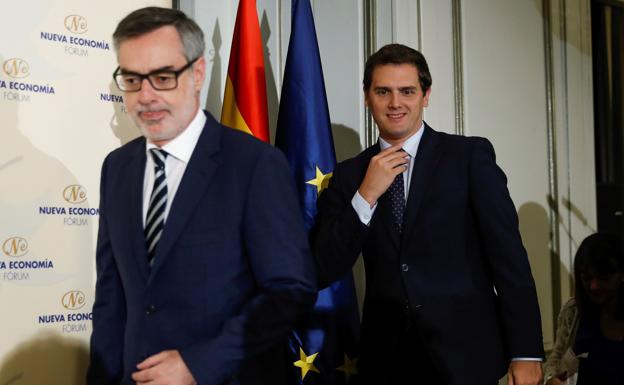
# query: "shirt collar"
x,y
410,145
181,147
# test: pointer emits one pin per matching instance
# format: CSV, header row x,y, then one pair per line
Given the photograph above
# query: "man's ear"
x,y
426,97
199,73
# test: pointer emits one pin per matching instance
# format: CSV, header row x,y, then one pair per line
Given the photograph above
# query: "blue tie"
x,y
397,197
155,220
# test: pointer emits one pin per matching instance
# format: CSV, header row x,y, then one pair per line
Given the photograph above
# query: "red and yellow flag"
x,y
245,101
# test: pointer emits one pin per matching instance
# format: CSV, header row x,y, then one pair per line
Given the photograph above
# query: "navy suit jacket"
x,y
460,239
232,270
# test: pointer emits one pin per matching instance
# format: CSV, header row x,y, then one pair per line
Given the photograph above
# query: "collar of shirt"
x,y
181,147
180,150
410,145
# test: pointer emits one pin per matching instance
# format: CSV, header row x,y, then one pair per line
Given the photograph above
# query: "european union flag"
x,y
325,343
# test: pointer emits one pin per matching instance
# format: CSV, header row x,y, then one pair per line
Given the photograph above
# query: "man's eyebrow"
x,y
164,68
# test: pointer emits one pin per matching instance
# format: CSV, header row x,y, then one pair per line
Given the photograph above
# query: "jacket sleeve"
x,y
109,307
566,322
506,256
276,244
338,235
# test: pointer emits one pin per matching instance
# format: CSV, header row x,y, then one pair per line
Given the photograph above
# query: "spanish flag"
x,y
245,101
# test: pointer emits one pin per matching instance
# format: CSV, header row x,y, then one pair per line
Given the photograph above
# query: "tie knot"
x,y
159,157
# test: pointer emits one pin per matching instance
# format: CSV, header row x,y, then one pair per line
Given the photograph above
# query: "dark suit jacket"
x,y
231,273
460,239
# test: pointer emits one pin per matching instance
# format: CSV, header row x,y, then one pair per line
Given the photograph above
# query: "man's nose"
x,y
395,99
147,92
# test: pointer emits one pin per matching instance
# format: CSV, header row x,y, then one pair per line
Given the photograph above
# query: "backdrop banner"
x,y
60,114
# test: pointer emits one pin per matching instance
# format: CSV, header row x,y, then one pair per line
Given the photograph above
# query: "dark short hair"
x,y
603,254
397,54
148,19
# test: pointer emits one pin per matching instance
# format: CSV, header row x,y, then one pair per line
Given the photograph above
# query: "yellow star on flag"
x,y
306,363
321,181
349,367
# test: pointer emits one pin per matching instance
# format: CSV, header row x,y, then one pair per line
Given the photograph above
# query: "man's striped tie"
x,y
155,220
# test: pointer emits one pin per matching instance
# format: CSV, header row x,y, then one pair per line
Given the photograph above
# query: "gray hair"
x,y
148,19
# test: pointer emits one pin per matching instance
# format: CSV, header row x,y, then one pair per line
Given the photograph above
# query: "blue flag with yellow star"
x,y
324,344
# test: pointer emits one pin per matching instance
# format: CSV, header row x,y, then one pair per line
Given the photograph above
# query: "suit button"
x,y
151,309
404,267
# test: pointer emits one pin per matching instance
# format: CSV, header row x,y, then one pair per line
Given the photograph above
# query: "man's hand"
x,y
525,373
164,368
555,381
382,170
559,379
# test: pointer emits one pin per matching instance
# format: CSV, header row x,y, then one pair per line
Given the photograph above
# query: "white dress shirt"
x,y
179,152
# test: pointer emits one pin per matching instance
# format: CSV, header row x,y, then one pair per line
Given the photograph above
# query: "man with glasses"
x,y
202,258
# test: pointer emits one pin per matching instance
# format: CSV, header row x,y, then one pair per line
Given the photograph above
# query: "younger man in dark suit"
x,y
202,257
449,292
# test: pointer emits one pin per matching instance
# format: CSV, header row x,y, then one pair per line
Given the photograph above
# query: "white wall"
x,y
60,115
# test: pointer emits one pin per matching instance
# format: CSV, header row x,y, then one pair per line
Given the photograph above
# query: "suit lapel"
x,y
424,166
134,190
196,178
384,211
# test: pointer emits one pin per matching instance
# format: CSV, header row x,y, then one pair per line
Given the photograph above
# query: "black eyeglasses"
x,y
161,80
